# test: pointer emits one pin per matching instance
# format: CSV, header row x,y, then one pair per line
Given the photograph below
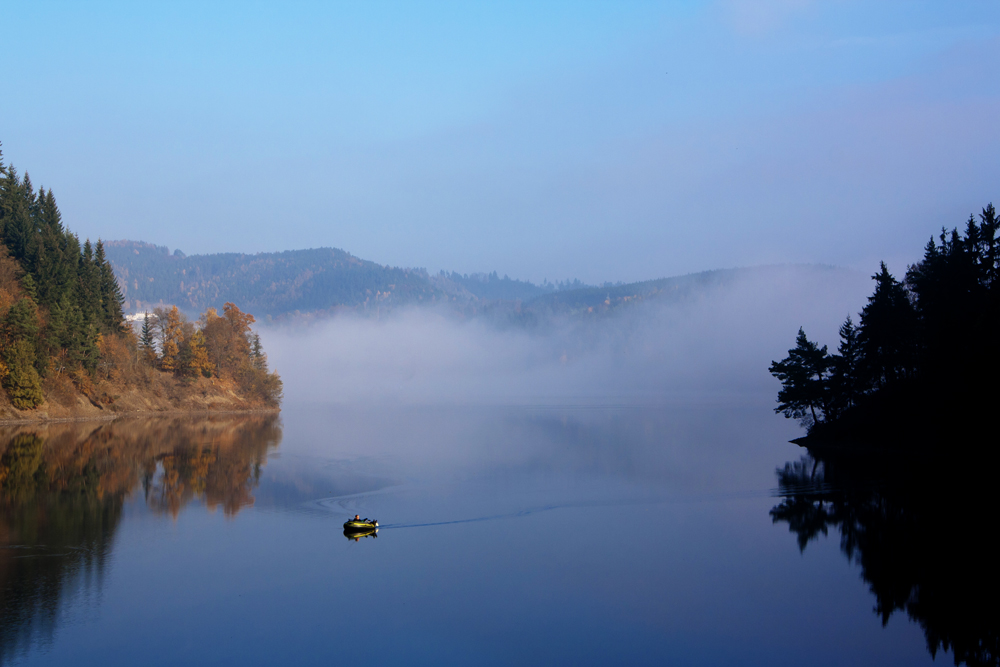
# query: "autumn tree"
x,y
194,357
227,337
169,327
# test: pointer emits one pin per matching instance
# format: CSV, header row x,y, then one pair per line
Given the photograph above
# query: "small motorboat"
x,y
357,528
360,524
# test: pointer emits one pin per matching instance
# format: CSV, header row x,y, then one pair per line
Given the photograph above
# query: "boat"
x,y
358,528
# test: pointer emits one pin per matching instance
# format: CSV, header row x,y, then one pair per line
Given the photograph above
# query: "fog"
x,y
709,347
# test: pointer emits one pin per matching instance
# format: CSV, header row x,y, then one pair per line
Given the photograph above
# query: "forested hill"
x,y
66,349
268,283
325,280
610,296
321,279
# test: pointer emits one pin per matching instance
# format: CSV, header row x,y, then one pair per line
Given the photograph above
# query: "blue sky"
x,y
604,140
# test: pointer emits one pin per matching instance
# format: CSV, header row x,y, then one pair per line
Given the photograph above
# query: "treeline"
x,y
61,319
58,299
492,287
215,346
926,343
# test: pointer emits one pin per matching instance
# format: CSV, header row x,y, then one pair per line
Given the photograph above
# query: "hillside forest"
x,y
296,282
921,353
303,285
64,341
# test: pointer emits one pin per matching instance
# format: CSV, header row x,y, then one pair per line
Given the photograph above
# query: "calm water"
x,y
600,534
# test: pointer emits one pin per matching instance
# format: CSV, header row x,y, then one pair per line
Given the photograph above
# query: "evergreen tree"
x,y
15,205
18,333
89,278
803,375
956,297
22,382
888,332
930,341
989,251
28,285
146,341
257,356
21,320
844,381
110,292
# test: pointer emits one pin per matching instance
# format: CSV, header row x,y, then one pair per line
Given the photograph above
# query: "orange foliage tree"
x,y
171,336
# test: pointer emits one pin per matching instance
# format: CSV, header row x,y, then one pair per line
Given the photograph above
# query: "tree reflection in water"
x,y
921,534
62,488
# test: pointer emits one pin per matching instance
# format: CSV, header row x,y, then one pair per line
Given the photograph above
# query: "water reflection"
x,y
355,535
920,534
63,487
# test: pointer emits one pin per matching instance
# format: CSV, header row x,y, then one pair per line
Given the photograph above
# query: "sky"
x,y
545,140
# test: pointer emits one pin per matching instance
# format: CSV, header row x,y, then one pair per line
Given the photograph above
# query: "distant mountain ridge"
x,y
303,281
311,282
266,283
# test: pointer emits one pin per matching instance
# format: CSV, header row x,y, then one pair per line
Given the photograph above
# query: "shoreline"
x,y
130,414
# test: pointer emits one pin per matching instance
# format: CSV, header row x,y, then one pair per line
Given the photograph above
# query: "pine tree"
x,y
844,382
146,341
257,356
49,265
990,251
21,320
888,332
22,382
89,277
110,292
16,201
803,375
28,285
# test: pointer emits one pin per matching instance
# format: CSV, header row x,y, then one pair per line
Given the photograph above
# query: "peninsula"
x,y
67,350
915,372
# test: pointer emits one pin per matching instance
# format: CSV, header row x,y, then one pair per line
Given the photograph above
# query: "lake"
x,y
598,533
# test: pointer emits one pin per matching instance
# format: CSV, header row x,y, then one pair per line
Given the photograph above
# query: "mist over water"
x,y
542,491
719,342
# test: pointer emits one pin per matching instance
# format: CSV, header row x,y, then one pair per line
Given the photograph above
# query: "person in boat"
x,y
357,517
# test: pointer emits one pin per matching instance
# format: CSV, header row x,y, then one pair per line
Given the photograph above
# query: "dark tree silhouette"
x,y
887,333
845,385
923,346
803,375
